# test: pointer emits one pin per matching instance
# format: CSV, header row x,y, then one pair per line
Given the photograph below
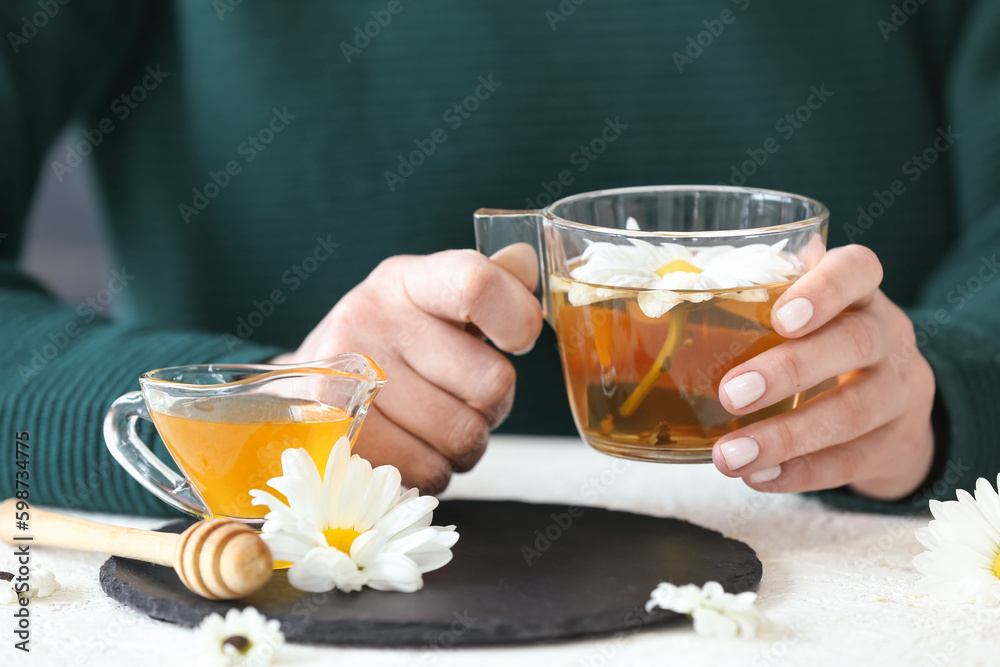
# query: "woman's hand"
x,y
423,319
872,431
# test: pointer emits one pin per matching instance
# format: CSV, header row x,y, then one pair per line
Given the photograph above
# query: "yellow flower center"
x,y
341,538
238,642
678,265
996,567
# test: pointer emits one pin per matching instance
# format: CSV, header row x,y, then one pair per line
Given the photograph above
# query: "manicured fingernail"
x,y
795,314
765,475
739,451
744,389
524,350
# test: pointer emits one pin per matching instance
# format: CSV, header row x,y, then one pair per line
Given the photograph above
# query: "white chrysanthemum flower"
x,y
672,273
244,637
353,527
8,594
962,563
41,582
715,612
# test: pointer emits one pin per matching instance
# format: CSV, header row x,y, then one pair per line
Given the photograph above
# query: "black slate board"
x,y
591,571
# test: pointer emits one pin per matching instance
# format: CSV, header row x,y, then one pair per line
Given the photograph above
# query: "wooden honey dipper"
x,y
219,559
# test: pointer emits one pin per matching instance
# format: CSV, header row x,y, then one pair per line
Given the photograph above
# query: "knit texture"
x,y
272,130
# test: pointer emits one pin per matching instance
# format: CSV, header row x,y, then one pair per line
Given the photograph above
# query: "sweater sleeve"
x,y
61,366
957,321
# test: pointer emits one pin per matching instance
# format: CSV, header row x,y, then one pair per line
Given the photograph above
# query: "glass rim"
x,y
822,212
371,373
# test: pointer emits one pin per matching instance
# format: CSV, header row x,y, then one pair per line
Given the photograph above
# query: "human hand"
x,y
872,431
423,319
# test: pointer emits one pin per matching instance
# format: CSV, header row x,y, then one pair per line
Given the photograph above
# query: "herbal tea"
x,y
655,293
647,387
226,451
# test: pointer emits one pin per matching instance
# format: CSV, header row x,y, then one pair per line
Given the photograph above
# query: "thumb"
x,y
521,260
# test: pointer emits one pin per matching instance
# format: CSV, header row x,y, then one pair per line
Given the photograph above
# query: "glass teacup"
x,y
226,426
654,294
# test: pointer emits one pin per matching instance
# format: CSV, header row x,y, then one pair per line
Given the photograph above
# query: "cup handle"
x,y
497,228
124,443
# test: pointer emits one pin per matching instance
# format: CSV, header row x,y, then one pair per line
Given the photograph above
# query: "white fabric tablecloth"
x,y
837,586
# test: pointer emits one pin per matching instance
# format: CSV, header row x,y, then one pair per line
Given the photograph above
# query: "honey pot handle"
x,y
123,441
497,228
49,528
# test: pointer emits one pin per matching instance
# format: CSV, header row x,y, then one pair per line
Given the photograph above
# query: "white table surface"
x,y
837,586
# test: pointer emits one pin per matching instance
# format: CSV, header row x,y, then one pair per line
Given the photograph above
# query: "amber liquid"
x,y
227,446
609,347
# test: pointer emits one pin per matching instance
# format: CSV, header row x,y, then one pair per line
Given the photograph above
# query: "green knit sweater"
x,y
249,153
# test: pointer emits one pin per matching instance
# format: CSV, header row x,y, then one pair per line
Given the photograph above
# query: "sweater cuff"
x,y
965,419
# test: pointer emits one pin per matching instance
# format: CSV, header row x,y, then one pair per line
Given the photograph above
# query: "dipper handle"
x,y
59,530
218,559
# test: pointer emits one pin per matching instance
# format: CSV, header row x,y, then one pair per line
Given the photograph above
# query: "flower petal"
x,y
366,548
383,489
300,483
989,502
710,623
405,543
747,621
263,636
279,511
43,581
681,599
326,568
430,557
394,572
658,303
409,494
926,538
286,546
352,493
406,514
333,478
8,595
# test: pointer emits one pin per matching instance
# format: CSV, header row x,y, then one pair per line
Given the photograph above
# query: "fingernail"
x,y
524,350
744,389
795,314
739,451
765,475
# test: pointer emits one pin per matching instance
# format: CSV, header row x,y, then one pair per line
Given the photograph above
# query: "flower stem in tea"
x,y
674,341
